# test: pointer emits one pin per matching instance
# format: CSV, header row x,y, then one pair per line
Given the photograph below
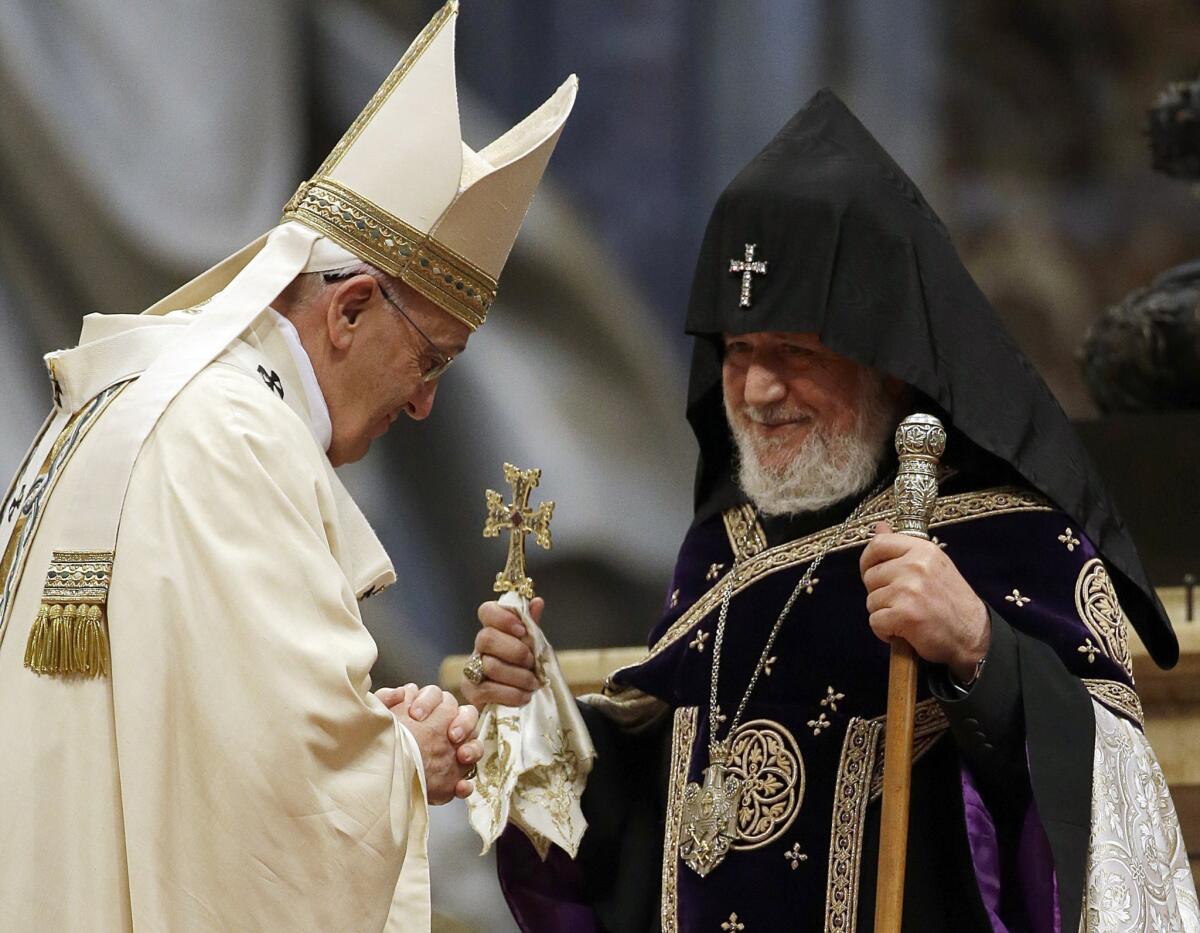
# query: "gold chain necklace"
x,y
709,818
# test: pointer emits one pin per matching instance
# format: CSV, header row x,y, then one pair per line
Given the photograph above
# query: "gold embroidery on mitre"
x,y
384,91
70,634
449,280
764,756
1098,608
377,235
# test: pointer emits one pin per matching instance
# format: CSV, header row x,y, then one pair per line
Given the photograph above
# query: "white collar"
x,y
318,411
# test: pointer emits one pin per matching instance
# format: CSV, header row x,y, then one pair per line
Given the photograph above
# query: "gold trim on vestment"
x,y
446,278
1118,697
25,528
929,725
950,510
745,531
683,737
850,798
859,782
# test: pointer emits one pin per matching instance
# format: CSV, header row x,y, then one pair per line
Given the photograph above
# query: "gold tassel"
x,y
39,638
70,639
70,634
91,643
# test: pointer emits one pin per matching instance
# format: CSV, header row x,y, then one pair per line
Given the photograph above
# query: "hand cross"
x,y
519,520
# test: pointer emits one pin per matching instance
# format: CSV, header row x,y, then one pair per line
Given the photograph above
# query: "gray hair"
x,y
305,287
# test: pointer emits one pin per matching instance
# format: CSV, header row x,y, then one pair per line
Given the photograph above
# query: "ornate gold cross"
x,y
519,519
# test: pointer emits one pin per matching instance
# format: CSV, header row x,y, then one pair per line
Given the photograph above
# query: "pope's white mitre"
x,y
403,191
400,190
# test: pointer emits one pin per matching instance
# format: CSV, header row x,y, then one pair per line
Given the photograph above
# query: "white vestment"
x,y
232,771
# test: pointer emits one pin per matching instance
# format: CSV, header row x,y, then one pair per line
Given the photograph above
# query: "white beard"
x,y
826,468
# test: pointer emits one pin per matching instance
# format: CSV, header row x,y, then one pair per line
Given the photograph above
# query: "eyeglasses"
x,y
441,361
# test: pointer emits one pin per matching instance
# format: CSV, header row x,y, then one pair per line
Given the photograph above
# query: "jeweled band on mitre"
x,y
450,281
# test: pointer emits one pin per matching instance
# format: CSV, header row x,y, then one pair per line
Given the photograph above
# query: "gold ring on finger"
x,y
473,669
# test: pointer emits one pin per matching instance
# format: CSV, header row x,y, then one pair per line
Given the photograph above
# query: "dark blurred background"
x,y
145,139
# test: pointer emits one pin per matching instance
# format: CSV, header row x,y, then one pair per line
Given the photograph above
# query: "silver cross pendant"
x,y
747,267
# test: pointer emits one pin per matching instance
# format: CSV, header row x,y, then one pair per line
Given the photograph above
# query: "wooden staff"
x,y
920,442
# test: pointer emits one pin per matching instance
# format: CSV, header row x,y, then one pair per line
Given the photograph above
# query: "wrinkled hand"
x,y
445,733
915,592
507,651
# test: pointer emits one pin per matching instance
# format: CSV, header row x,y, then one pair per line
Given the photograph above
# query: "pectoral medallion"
x,y
709,823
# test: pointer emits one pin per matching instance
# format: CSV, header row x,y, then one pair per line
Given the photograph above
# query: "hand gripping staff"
x,y
920,443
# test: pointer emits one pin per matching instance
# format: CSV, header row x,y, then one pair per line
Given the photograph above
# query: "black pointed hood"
x,y
856,255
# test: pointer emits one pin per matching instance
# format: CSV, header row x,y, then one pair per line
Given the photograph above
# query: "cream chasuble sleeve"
x,y
263,786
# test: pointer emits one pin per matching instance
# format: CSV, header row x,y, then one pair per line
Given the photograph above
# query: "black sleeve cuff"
x,y
986,722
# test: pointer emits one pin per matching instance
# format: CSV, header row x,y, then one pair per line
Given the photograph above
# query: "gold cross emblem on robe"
x,y
519,520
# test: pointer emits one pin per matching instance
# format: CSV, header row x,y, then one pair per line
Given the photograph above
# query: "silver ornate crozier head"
x,y
920,443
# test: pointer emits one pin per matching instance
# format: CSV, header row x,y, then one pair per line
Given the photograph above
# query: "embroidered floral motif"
x,y
808,589
674,598
1068,538
1090,650
714,571
1137,873
795,856
819,725
938,542
733,924
1098,608
699,640
831,698
764,756
768,664
1016,597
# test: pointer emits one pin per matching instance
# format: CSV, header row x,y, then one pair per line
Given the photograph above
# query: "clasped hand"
x,y
506,648
445,733
915,592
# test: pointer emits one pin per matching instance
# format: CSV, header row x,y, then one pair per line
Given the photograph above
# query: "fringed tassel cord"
x,y
70,634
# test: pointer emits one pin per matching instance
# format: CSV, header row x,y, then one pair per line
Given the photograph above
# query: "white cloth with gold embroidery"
x,y
1134,829
536,758
233,771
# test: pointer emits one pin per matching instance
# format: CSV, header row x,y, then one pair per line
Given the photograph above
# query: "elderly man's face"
x,y
780,386
370,359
